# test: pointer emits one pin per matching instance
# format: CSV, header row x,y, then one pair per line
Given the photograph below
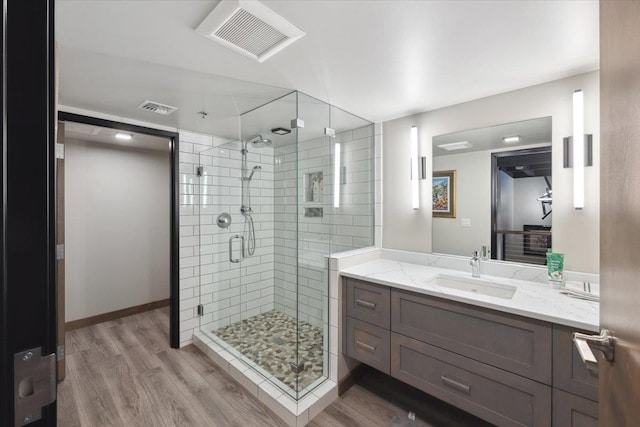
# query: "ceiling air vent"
x,y
250,28
156,107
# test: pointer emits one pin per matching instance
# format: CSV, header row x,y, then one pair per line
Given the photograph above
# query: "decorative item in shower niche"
x,y
313,212
313,187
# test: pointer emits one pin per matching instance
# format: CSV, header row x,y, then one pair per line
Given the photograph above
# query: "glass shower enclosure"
x,y
296,186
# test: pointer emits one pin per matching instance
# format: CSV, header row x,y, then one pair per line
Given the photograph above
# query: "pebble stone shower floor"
x,y
269,340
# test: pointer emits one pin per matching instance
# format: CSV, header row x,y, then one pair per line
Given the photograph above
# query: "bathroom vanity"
x,y
505,357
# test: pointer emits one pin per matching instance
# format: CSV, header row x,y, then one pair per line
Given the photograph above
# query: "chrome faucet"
x,y
475,264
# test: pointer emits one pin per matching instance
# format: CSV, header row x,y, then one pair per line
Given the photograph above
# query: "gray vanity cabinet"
x,y
507,369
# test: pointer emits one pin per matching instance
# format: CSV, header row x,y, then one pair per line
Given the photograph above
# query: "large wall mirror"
x,y
493,187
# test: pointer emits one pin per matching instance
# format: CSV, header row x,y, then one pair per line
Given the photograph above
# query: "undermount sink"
x,y
475,285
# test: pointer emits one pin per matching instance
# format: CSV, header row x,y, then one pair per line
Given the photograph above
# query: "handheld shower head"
x,y
255,168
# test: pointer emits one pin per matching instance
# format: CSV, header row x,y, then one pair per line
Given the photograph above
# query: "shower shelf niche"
x,y
313,212
313,185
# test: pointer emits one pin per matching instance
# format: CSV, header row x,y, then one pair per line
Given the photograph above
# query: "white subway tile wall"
x,y
229,292
235,291
301,286
289,265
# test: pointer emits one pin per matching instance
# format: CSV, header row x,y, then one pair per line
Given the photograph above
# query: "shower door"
x,y
268,275
220,240
295,187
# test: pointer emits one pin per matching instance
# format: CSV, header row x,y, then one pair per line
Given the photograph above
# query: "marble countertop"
x,y
531,299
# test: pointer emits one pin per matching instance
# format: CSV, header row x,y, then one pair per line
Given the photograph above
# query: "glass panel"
x,y
268,290
354,204
219,198
315,184
264,275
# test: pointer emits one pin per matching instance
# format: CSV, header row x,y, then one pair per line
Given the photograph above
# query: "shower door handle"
x,y
231,239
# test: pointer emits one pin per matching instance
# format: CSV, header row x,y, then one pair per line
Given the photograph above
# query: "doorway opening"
x,y
117,227
522,197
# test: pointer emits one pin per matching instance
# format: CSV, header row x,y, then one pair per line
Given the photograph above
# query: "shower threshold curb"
x,y
294,413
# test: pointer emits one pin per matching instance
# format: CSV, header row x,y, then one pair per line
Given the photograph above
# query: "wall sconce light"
x,y
418,169
415,184
578,150
336,176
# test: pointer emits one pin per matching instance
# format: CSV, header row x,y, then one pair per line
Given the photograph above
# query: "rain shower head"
x,y
259,141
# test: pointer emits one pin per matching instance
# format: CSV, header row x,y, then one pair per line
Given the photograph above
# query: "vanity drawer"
x,y
500,397
512,343
368,344
570,410
569,372
368,302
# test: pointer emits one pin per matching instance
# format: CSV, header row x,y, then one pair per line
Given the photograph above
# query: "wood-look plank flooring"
x,y
123,373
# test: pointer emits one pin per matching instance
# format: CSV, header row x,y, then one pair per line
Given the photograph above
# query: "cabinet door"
x,y
570,410
569,372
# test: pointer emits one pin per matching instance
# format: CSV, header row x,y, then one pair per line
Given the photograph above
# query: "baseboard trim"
x,y
105,317
351,378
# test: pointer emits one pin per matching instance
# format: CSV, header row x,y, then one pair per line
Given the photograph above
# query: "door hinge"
x,y
199,170
297,123
59,151
59,252
200,309
34,384
60,353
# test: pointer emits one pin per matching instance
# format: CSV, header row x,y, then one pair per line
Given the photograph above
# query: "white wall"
x,y
473,176
576,233
504,215
526,208
117,227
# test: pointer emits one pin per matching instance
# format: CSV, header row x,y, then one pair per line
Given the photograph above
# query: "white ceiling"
x,y
107,136
376,59
534,131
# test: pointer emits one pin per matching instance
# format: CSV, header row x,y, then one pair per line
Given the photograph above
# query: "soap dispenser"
x,y
485,253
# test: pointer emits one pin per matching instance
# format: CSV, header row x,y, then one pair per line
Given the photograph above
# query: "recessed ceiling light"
x,y
455,146
123,136
281,131
509,139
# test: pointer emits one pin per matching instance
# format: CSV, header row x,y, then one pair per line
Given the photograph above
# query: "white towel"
x,y
590,292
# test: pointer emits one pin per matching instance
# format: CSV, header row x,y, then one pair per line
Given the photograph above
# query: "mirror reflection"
x,y
493,190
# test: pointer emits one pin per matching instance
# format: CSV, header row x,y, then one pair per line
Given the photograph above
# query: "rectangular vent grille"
x,y
250,33
156,107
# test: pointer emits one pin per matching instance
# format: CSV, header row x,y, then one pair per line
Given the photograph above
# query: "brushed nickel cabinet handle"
x,y
366,304
366,347
456,385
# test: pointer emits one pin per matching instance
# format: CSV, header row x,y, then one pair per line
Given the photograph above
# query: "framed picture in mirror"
x,y
444,194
